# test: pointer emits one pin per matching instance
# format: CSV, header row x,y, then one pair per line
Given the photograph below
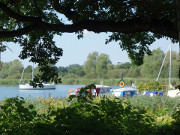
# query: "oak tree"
x,y
135,24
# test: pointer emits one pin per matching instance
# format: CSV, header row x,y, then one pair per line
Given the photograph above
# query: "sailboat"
x,y
46,86
172,92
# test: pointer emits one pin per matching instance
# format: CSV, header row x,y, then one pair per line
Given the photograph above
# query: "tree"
x,y
101,65
4,71
125,65
28,69
90,65
174,65
135,24
62,71
76,69
133,72
15,67
152,64
12,69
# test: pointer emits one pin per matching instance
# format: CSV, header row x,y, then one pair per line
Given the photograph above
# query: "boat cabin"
x,y
123,92
100,90
94,92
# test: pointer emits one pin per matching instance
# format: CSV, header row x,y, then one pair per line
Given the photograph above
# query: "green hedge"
x,y
100,116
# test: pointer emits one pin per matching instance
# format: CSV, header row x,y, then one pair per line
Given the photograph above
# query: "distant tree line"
x,y
100,66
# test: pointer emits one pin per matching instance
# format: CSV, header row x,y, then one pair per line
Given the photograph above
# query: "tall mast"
x,y
163,63
32,71
170,66
0,56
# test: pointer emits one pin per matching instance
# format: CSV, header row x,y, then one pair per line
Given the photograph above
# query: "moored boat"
x,y
30,87
124,92
104,89
173,93
46,86
99,90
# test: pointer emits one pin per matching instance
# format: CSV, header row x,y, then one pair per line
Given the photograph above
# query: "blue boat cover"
x,y
148,93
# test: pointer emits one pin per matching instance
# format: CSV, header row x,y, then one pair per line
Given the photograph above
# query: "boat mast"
x,y
32,71
163,63
22,75
170,66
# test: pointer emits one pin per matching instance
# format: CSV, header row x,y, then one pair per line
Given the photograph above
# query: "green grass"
x,y
84,81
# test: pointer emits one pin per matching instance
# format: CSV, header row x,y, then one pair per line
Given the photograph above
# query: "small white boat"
x,y
173,93
29,87
46,86
124,92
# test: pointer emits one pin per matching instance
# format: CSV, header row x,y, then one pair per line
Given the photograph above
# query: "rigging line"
x,y
22,75
162,63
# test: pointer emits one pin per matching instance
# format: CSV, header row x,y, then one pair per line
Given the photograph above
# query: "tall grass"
x,y
150,103
9,81
128,81
84,81
156,103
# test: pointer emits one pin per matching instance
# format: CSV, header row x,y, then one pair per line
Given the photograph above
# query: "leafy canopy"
x,y
135,24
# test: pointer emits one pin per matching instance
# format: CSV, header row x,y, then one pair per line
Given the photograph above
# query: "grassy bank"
x,y
128,81
84,81
13,82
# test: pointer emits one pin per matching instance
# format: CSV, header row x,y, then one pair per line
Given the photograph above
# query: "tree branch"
x,y
18,17
18,32
38,8
71,15
129,26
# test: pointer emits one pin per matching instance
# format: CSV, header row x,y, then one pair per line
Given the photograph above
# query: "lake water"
x,y
60,91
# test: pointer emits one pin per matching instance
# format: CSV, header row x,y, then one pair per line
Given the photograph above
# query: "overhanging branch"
x,y
130,26
72,15
18,17
18,32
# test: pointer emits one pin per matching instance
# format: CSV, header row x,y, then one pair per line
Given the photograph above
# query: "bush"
x,y
15,118
102,117
93,116
151,86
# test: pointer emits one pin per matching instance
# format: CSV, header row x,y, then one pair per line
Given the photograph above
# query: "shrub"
x,y
105,116
15,118
150,86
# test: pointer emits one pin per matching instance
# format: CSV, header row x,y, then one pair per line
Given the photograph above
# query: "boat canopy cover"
x,y
154,93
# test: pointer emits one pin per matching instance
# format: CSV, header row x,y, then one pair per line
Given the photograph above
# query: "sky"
x,y
76,51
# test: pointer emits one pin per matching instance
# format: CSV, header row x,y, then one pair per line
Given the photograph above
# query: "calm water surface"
x,y
60,91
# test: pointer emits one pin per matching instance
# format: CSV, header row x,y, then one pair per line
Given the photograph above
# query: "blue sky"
x,y
76,51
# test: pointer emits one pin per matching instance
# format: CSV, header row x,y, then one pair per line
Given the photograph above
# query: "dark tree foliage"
x,y
135,24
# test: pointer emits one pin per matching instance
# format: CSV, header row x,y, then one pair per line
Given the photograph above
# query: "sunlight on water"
x,y
60,91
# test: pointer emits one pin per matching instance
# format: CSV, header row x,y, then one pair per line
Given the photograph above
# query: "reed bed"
x,y
85,81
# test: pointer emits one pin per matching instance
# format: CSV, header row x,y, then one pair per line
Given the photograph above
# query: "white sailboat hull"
x,y
29,87
173,93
